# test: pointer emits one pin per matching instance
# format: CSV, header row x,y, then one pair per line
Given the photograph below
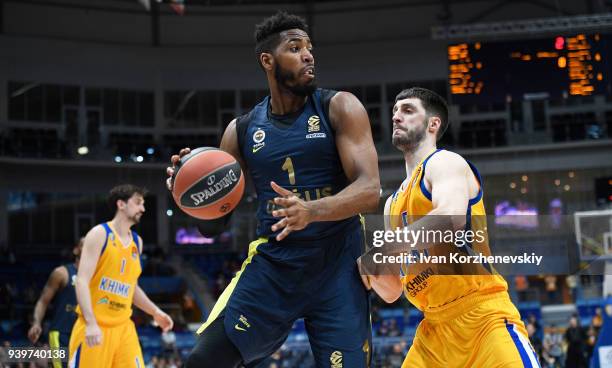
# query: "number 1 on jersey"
x,y
122,265
288,166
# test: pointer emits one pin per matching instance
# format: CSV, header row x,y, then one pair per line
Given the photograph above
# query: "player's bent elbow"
x,y
388,287
391,296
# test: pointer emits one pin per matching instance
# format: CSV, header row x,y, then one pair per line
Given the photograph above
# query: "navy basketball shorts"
x,y
281,282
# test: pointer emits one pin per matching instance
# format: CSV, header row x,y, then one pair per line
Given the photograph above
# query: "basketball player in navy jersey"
x,y
312,160
60,286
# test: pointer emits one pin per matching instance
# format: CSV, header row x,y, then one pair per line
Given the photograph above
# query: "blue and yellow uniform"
x,y
312,273
64,313
112,289
469,318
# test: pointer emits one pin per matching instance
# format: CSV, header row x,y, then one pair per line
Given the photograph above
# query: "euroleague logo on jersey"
x,y
314,128
314,124
258,138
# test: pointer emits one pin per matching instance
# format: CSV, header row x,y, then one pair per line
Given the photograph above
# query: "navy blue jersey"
x,y
65,303
299,153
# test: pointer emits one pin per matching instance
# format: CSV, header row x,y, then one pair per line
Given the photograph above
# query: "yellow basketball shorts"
x,y
484,332
119,349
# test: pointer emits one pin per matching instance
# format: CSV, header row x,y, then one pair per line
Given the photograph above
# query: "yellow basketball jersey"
x,y
114,281
422,286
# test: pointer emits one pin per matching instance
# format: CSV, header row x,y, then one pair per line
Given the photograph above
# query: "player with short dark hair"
x,y
470,320
124,192
313,163
107,285
432,103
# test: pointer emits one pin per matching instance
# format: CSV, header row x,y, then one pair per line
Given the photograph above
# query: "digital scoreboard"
x,y
552,67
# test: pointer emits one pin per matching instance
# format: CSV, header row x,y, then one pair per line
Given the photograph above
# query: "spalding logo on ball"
x,y
208,183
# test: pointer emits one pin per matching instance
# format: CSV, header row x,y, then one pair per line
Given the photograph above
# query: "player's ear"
x,y
434,124
267,61
120,204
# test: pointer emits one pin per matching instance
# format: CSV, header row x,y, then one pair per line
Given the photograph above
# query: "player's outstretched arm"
x,y
451,183
57,280
92,247
448,176
359,162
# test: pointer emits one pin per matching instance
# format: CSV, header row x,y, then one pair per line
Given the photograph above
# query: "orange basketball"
x,y
208,183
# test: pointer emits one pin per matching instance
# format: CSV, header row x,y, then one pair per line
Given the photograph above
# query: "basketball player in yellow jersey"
x,y
469,318
107,284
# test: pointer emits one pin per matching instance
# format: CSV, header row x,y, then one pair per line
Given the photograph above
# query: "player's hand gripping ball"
x,y
208,183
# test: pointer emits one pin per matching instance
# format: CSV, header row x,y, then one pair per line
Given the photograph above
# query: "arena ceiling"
x,y
380,19
556,7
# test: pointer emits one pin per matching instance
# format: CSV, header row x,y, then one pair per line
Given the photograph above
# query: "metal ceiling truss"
x,y
577,23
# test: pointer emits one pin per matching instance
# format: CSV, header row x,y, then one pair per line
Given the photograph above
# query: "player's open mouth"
x,y
309,71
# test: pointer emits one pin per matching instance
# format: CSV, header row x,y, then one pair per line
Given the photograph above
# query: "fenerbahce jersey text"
x,y
114,281
423,288
300,156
